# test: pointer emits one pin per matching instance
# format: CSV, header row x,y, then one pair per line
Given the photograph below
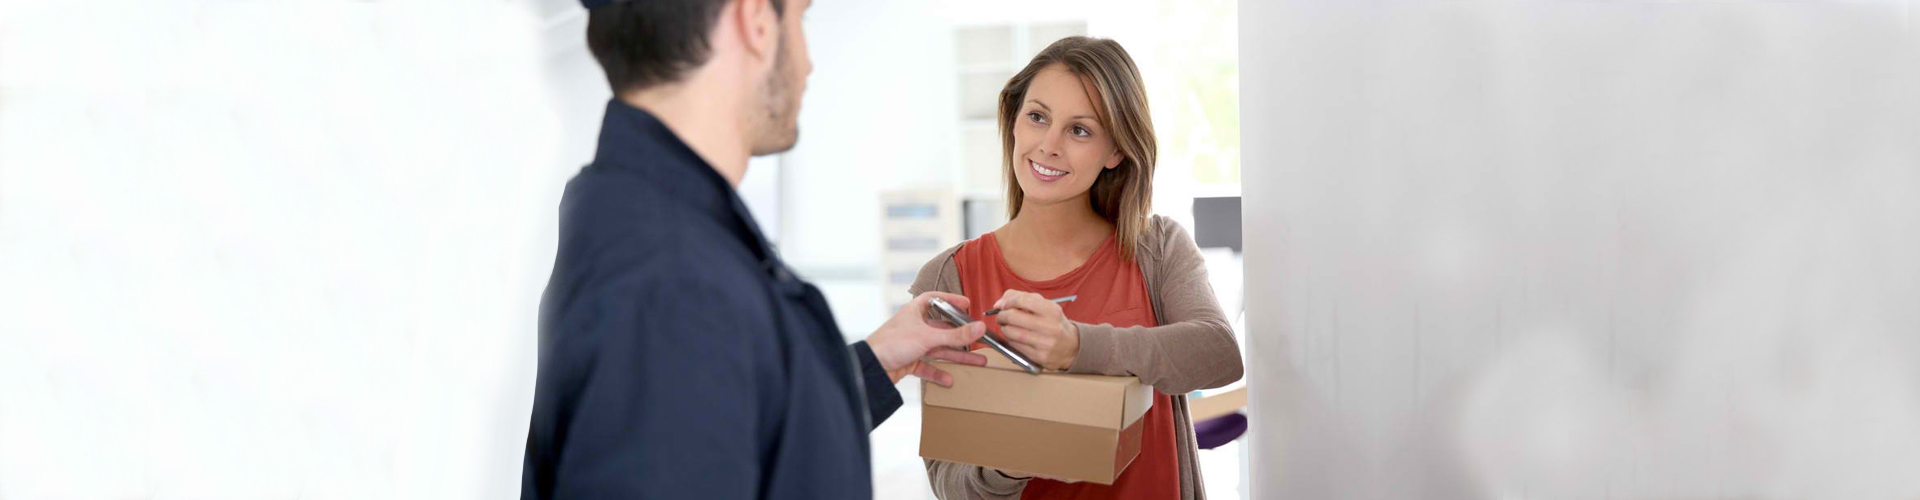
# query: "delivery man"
x,y
679,357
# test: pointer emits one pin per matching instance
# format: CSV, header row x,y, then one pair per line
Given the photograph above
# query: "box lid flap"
x,y
1091,400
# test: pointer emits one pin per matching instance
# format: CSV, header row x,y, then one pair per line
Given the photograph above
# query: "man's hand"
x,y
1038,328
906,343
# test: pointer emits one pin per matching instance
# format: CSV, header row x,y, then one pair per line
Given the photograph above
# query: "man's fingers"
x,y
959,301
961,336
927,372
933,317
958,356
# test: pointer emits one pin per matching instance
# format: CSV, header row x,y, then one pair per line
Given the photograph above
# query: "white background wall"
x,y
270,250
1582,249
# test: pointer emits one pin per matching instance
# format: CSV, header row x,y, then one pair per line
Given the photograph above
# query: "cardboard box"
x,y
1080,427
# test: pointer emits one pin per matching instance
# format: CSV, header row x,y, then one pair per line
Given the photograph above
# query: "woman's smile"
x,y
1043,173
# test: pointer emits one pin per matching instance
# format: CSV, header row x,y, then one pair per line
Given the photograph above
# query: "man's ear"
x,y
758,27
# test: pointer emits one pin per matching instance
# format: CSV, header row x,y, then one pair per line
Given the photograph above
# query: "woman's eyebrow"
x,y
1044,105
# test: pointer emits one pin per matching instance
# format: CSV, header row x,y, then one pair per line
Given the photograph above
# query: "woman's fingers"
x,y
1030,343
1016,334
1034,302
1048,351
1010,297
1029,303
1022,319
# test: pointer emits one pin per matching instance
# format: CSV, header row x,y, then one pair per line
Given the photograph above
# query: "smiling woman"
x,y
1078,157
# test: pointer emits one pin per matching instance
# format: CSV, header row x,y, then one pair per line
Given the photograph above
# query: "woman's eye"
x,y
1034,116
1081,132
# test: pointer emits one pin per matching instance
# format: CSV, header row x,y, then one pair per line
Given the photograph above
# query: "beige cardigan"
x,y
1193,349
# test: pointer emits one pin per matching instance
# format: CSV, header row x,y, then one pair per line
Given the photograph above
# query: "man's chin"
x,y
777,145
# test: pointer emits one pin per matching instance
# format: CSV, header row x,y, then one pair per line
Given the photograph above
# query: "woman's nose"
x,y
1050,145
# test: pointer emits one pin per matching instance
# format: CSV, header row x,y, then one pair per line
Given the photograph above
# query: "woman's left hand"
x,y
1038,329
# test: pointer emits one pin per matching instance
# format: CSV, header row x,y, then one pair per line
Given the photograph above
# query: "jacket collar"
x,y
632,139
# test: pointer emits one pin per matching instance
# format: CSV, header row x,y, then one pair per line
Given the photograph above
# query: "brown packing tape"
x,y
1025,446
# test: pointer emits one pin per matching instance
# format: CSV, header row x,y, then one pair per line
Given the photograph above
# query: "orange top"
x,y
1112,292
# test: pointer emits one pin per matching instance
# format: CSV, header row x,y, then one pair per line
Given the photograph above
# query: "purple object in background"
x,y
1220,430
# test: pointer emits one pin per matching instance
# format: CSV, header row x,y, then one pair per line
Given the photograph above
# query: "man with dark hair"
x,y
679,358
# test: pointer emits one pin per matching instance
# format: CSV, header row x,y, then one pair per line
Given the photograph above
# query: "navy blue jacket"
x,y
679,358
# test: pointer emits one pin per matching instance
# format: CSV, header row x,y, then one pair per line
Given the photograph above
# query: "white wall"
x,y
271,250
879,114
1582,249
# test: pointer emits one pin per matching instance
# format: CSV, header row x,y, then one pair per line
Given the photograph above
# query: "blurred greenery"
x,y
1201,48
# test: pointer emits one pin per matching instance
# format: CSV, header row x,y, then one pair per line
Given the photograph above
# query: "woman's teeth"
x,y
1048,171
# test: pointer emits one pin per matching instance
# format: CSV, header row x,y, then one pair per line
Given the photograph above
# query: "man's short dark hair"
x,y
645,43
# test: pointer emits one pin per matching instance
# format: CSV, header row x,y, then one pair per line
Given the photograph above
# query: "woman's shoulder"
x,y
939,271
1163,233
1161,226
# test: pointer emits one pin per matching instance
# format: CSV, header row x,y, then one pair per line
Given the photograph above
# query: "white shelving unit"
x,y
915,225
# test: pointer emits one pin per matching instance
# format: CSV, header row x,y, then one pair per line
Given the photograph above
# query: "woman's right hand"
x,y
1039,329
